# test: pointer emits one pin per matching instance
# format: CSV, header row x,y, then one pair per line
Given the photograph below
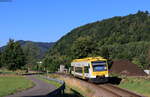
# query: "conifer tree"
x,y
13,56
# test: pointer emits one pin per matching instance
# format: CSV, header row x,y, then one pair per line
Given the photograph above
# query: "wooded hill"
x,y
121,37
42,47
30,52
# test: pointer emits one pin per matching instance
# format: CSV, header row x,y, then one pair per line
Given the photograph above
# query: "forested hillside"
x,y
33,52
126,37
41,46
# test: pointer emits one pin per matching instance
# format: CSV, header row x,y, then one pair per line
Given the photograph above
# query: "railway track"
x,y
115,91
119,92
111,90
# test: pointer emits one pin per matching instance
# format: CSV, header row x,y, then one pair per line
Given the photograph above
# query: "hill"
x,y
41,46
122,37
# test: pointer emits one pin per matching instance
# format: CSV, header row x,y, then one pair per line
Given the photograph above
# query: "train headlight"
x,y
106,75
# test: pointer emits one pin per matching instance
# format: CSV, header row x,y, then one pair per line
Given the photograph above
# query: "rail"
x,y
113,90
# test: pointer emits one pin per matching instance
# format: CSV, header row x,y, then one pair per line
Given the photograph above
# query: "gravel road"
x,y
41,89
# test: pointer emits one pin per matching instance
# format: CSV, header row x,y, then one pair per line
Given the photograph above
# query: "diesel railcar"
x,y
95,69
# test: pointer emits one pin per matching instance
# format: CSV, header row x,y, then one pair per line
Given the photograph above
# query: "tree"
x,y
148,59
32,53
0,59
104,52
83,47
51,63
13,55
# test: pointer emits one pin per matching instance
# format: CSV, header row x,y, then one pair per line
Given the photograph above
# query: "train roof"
x,y
89,59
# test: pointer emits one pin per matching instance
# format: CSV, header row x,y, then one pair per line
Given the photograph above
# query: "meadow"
x,y
137,84
10,84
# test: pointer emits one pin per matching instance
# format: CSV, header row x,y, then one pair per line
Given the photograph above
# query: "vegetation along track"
x,y
119,92
110,89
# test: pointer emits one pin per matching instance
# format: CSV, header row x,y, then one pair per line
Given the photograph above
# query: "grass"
x,y
56,84
78,91
74,88
69,91
7,72
10,84
139,85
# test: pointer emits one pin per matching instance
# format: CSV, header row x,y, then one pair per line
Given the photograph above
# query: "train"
x,y
94,69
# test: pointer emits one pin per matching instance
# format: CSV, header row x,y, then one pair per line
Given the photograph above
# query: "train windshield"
x,y
99,65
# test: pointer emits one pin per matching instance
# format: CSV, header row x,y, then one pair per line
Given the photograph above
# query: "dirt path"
x,y
41,89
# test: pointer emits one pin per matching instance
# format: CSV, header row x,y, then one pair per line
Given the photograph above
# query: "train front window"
x,y
99,66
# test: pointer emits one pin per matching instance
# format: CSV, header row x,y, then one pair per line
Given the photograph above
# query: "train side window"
x,y
78,69
86,69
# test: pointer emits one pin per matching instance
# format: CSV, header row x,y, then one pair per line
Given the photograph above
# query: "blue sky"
x,y
49,20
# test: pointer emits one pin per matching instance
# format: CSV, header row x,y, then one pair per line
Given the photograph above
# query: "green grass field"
x,y
139,85
11,83
6,72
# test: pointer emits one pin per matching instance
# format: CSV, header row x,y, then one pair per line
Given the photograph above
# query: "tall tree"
x,y
32,53
13,55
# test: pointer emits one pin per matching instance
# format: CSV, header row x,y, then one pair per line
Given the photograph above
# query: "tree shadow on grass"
x,y
73,94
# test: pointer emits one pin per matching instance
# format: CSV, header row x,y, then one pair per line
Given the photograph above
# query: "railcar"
x,y
95,69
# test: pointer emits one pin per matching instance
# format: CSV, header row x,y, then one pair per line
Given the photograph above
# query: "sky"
x,y
49,20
